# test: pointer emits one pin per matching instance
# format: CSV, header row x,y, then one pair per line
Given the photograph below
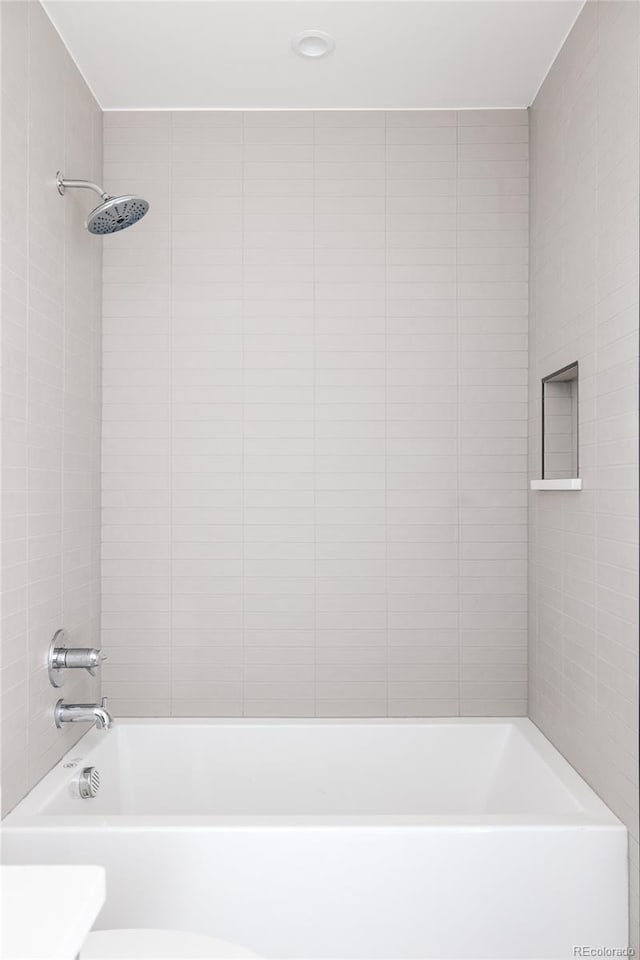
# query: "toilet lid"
x,y
159,945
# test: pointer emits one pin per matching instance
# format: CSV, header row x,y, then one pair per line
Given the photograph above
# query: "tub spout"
x,y
83,713
104,720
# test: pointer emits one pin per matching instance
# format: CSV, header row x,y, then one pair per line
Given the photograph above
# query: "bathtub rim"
x,y
593,812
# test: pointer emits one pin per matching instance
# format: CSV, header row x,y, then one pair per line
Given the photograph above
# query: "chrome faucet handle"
x,y
94,659
62,657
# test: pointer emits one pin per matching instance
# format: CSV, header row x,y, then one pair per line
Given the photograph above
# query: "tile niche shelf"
x,y
570,483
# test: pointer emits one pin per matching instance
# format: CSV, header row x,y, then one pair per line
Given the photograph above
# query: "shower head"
x,y
113,214
116,213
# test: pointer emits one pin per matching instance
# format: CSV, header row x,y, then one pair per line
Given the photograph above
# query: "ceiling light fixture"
x,y
313,44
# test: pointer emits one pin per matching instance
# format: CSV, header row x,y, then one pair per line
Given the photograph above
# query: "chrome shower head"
x,y
113,214
116,213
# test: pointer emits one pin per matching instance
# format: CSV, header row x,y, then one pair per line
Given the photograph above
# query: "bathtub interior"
x,y
304,769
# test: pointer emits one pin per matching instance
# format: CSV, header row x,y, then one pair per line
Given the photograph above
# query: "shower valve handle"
x,y
62,657
88,658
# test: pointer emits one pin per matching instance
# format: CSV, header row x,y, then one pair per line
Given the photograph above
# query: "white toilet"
x,y
159,945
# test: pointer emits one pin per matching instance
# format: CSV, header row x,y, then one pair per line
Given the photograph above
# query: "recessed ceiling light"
x,y
313,43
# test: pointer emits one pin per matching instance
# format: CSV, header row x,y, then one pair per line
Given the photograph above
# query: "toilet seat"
x,y
159,945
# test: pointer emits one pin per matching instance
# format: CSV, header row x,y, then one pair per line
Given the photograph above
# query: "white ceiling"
x,y
204,54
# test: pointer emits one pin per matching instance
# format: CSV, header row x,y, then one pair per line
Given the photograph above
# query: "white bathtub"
x,y
351,839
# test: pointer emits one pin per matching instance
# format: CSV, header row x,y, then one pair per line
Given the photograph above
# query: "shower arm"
x,y
63,183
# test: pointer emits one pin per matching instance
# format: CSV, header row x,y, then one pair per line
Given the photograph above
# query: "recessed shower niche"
x,y
560,457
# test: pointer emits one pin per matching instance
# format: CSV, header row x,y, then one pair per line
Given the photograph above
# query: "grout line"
x,y
314,188
386,400
243,650
29,684
596,372
170,424
493,108
458,419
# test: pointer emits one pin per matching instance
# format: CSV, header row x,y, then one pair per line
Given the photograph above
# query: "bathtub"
x,y
339,840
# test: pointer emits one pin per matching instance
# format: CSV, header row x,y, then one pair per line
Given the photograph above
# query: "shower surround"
x,y
315,414
315,409
583,586
51,359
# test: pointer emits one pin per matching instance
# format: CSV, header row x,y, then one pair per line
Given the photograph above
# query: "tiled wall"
x,y
51,275
584,306
315,365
